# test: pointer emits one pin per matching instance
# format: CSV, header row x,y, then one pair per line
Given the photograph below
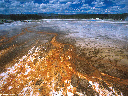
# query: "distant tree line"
x,y
24,16
88,16
16,17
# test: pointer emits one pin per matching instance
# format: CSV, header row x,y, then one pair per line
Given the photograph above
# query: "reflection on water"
x,y
49,69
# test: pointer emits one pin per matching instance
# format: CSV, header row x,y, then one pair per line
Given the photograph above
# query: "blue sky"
x,y
63,6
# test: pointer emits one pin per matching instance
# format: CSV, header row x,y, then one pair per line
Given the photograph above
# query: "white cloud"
x,y
118,9
120,6
15,6
24,0
120,2
42,6
98,3
66,0
85,6
76,2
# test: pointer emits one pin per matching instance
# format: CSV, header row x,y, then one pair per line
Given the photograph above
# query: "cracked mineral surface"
x,y
64,57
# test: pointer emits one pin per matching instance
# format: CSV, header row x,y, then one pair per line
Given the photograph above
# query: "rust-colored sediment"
x,y
11,39
52,72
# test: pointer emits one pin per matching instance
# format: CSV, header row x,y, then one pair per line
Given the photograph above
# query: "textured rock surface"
x,y
41,59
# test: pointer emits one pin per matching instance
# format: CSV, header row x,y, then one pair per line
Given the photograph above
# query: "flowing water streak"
x,y
36,74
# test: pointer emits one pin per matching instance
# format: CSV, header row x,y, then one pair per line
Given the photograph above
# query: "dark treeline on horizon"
x,y
94,16
16,17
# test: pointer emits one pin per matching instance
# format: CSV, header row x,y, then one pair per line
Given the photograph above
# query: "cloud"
x,y
120,6
98,4
120,2
117,9
85,6
66,0
24,0
60,6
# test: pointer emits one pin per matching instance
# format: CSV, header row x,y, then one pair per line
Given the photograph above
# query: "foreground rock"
x,y
40,61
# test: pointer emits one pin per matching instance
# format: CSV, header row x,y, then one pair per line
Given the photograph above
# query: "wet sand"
x,y
48,63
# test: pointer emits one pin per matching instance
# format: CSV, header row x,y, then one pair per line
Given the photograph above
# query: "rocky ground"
x,y
41,59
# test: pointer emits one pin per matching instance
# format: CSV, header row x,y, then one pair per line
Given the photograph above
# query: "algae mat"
x,y
54,68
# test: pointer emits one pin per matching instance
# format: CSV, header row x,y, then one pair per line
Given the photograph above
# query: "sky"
x,y
63,6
